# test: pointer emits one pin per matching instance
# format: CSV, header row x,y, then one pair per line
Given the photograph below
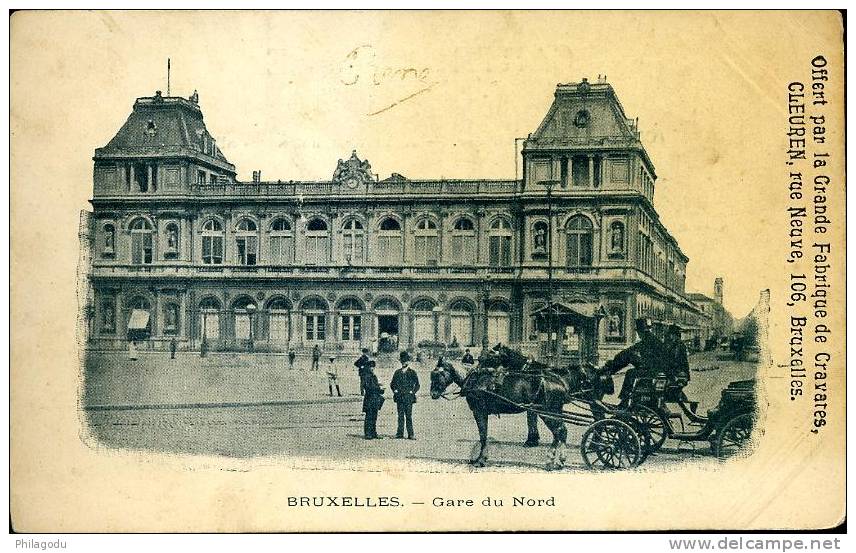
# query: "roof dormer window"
x,y
151,128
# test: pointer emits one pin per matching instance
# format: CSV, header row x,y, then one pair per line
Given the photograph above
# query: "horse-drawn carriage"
x,y
616,437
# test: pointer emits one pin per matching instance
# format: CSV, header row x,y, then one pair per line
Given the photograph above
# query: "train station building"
x,y
181,250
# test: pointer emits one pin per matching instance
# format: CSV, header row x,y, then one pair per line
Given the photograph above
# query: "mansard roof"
x,y
586,116
162,126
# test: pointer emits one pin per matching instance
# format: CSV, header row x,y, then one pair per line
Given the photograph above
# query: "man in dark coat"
x,y
372,401
316,357
467,359
404,386
648,356
678,369
360,364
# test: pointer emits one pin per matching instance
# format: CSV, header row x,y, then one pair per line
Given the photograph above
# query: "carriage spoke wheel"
x,y
611,444
653,424
734,436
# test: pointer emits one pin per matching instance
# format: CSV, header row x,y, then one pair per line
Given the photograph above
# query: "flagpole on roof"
x,y
167,76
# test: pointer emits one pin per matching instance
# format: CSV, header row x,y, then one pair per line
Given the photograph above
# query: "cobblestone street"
x,y
331,428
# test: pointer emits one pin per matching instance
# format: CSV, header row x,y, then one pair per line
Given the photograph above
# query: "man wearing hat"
x,y
404,386
678,369
648,356
360,364
372,400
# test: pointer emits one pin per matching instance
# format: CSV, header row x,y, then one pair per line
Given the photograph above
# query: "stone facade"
x,y
182,250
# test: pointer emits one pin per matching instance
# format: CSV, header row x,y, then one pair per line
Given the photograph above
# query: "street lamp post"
x,y
485,324
251,310
550,183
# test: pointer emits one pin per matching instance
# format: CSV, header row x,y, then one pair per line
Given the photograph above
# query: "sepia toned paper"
x,y
443,96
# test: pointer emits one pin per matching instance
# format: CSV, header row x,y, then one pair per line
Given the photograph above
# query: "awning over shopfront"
x,y
139,320
577,310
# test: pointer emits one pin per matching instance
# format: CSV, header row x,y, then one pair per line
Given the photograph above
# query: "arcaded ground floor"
x,y
588,322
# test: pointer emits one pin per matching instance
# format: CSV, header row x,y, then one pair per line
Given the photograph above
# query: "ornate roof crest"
x,y
353,172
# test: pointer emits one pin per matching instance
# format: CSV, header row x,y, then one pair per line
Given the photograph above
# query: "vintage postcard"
x,y
427,271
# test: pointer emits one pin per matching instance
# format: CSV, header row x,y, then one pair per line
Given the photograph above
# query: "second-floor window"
x,y
427,242
464,241
281,242
500,243
352,241
317,242
579,246
212,242
389,241
141,242
247,242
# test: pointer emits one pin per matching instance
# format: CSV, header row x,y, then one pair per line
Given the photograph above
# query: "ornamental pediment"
x,y
353,172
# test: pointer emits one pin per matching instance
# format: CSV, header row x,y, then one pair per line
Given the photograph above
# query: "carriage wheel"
x,y
653,425
733,436
611,444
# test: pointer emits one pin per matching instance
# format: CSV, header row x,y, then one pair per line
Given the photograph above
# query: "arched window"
x,y
464,241
209,319
616,239
579,249
278,320
247,242
353,238
315,319
423,321
141,242
498,323
389,241
212,242
109,244
350,313
244,310
281,242
540,239
461,316
427,242
317,242
500,243
172,238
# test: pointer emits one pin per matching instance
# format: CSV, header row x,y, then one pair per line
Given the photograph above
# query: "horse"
x,y
505,382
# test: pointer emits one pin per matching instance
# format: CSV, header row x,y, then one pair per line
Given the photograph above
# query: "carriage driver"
x,y
647,357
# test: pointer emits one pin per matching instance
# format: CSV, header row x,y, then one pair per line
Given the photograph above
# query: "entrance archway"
x,y
388,314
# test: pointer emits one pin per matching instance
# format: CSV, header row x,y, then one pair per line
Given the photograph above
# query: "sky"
x,y
426,95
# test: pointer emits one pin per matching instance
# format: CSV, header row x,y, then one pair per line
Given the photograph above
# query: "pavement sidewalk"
x,y
113,381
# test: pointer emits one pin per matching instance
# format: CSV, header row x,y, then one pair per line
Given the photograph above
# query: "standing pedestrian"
x,y
316,357
291,356
360,364
404,386
372,401
173,345
132,350
467,359
203,348
333,378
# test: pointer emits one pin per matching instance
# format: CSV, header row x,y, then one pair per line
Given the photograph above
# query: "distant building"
x,y
183,250
718,321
